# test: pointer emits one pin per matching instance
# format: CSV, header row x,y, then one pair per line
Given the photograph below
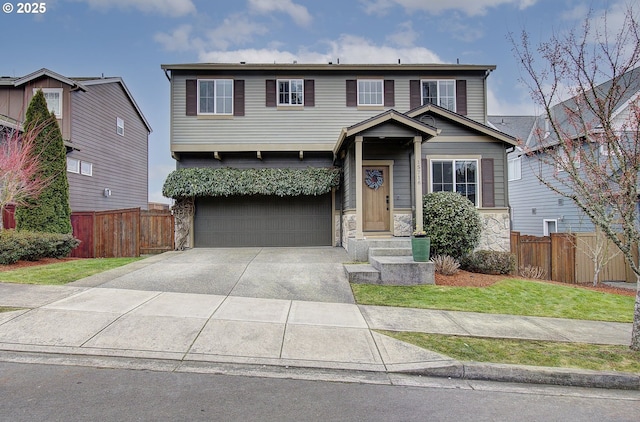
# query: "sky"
x,y
132,38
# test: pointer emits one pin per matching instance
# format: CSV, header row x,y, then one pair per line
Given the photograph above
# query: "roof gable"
x,y
48,73
463,121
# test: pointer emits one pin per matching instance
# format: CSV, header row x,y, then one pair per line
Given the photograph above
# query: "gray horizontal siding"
x,y
321,123
529,193
119,162
250,160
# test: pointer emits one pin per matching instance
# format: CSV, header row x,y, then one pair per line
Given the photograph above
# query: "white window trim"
x,y
215,88
120,126
563,160
83,171
289,81
77,165
438,81
545,225
453,160
377,81
517,163
49,90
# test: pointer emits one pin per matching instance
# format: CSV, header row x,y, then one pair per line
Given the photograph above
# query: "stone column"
x,y
417,153
359,193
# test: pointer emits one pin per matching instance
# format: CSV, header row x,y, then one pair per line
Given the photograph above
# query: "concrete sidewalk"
x,y
193,329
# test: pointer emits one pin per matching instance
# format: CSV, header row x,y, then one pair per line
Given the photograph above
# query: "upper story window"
x,y
119,126
439,92
515,168
456,176
53,96
370,92
290,92
73,165
215,96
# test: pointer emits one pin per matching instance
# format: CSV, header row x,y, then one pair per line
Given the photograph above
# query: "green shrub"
x,y
489,262
452,222
32,246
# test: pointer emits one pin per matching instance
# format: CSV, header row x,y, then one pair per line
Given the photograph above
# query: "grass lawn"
x,y
527,352
62,272
509,296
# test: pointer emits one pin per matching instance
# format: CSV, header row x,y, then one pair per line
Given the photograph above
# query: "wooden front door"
x,y
376,199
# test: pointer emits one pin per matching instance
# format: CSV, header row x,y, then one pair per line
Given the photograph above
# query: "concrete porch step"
x,y
403,270
362,274
389,252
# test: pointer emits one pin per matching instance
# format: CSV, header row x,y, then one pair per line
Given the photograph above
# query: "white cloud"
x,y
469,7
165,7
235,30
348,49
299,14
404,36
179,40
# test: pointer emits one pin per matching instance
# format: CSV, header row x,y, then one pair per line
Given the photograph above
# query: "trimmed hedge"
x,y
489,262
32,246
196,182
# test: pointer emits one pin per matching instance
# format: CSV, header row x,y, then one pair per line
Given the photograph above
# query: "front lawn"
x,y
62,272
509,296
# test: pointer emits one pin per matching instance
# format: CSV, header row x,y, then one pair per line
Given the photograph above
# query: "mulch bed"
x,y
24,264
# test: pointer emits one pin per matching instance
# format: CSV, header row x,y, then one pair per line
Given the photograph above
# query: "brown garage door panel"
x,y
263,221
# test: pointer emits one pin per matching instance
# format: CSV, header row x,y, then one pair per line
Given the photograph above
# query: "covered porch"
x,y
382,183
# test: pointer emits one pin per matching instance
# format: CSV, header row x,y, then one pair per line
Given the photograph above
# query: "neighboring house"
x,y
535,209
395,132
104,131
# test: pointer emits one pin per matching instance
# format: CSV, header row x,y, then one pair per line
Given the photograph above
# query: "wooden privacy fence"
x,y
118,233
567,258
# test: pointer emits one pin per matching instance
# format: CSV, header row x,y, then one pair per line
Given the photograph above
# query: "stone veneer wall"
x,y
348,229
402,225
496,231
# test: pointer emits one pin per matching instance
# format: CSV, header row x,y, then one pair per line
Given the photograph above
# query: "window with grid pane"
x,y
439,92
370,92
456,176
291,92
215,96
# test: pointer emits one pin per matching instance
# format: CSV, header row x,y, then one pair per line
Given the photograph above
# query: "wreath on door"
x,y
374,179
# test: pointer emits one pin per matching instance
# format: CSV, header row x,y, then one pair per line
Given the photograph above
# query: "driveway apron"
x,y
307,274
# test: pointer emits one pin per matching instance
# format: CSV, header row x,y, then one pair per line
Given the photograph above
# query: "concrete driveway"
x,y
306,274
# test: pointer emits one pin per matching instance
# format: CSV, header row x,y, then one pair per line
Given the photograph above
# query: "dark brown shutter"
x,y
461,97
425,176
270,93
488,186
309,93
415,99
192,97
352,93
238,97
389,93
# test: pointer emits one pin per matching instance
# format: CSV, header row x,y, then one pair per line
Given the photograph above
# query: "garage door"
x,y
263,221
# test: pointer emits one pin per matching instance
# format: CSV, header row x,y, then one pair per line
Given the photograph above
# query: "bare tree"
x,y
19,170
587,83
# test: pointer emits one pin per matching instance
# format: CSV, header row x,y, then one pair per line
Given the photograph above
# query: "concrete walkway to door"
x,y
307,274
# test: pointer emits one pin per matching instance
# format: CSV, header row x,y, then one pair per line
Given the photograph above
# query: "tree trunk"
x,y
635,331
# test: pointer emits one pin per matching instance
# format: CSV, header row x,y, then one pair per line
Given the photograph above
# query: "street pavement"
x,y
270,307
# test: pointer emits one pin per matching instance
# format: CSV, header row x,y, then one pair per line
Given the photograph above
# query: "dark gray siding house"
x,y
104,131
391,132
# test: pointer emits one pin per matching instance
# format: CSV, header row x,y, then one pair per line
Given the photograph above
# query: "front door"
x,y
376,198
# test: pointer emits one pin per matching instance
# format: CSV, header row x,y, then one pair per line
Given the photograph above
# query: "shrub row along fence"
x,y
117,233
568,257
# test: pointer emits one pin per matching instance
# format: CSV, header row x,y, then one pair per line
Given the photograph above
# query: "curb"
x,y
530,375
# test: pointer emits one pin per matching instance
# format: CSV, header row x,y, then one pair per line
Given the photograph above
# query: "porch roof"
x,y
381,119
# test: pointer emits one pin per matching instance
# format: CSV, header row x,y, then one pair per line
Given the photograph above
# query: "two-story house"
x,y
535,209
394,133
104,131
